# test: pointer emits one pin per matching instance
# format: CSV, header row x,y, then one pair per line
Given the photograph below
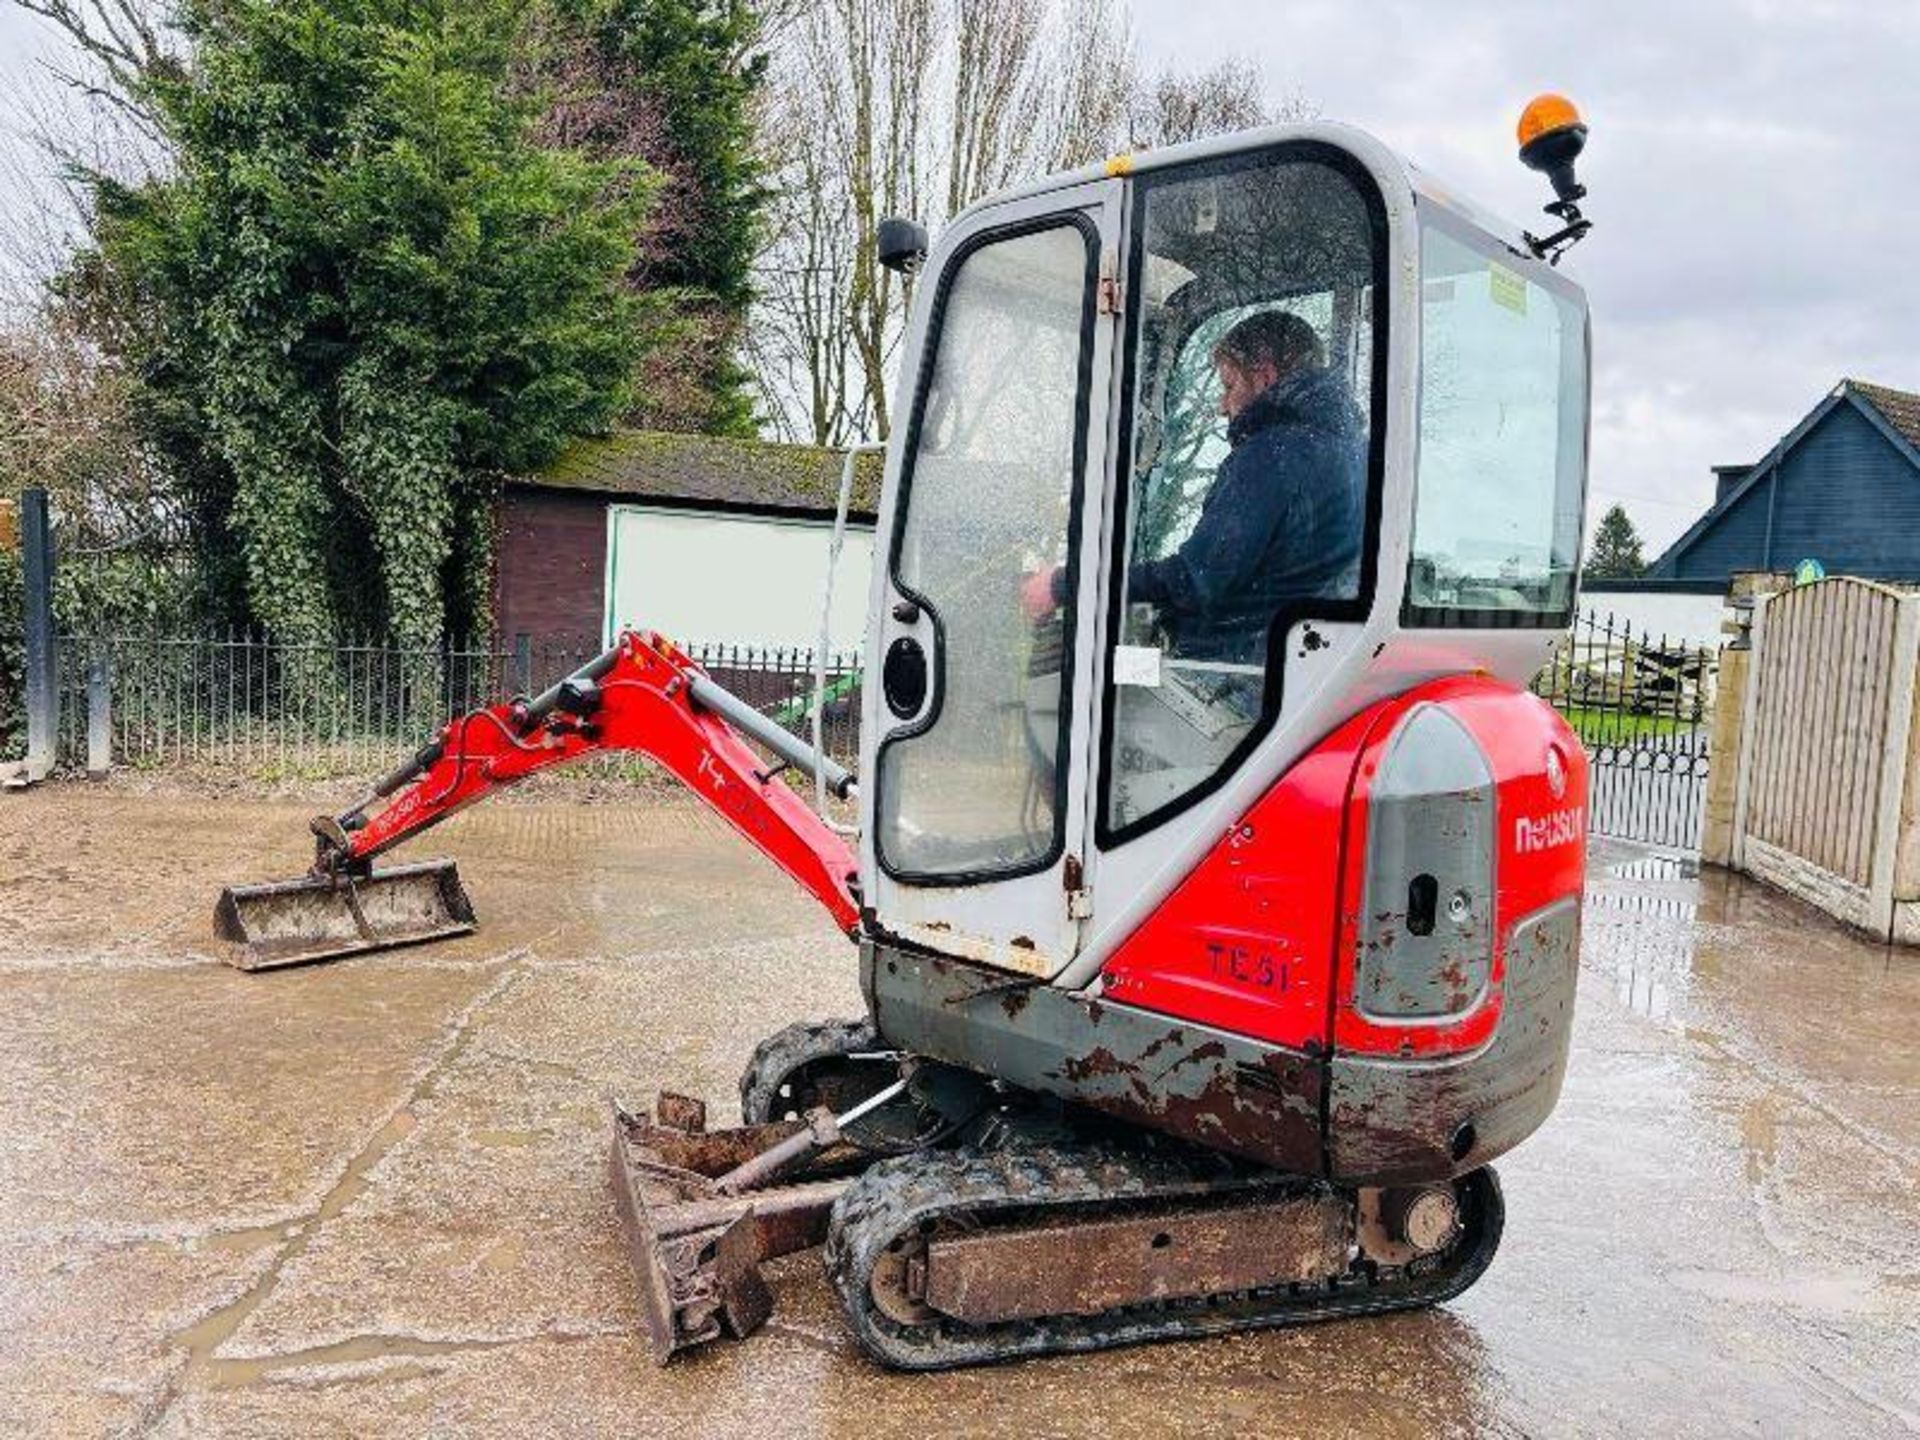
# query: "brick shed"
x,y
707,538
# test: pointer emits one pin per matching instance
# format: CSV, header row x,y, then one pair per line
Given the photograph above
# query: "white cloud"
x,y
1750,172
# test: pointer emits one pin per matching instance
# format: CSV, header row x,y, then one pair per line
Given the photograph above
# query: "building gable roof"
x,y
1899,408
713,472
1895,413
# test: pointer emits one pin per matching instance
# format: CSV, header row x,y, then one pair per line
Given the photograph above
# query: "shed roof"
x,y
713,471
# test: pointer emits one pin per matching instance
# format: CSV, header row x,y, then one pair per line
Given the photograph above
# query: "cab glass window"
x,y
1246,497
1503,434
977,786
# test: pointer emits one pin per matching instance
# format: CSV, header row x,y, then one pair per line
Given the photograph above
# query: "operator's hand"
x,y
1036,593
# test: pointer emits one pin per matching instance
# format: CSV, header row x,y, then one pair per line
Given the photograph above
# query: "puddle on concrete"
x,y
1649,957
361,1350
508,1254
203,1338
1661,907
257,1237
1760,1137
1657,867
1823,1294
1642,928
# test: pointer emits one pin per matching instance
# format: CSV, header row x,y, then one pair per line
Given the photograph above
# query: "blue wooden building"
x,y
1842,487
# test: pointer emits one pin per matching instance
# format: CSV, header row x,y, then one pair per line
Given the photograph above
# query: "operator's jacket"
x,y
1283,521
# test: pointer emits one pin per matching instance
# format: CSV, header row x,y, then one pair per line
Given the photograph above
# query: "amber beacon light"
x,y
1552,135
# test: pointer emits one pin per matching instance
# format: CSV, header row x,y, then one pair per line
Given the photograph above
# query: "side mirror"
x,y
900,244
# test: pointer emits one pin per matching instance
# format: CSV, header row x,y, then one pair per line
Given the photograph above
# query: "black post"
x,y
43,693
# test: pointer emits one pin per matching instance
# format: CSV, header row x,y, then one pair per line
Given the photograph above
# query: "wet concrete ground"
x,y
369,1198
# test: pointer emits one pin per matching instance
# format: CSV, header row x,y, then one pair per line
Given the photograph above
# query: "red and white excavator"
x,y
1218,915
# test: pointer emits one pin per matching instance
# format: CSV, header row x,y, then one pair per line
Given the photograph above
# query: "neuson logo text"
x,y
1562,827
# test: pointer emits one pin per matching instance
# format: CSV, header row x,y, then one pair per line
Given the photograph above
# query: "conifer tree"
x,y
1616,553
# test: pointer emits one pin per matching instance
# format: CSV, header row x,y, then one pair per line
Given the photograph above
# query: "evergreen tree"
x,y
675,82
1616,548
696,63
365,288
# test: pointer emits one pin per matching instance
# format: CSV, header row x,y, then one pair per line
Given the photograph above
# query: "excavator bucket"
x,y
295,922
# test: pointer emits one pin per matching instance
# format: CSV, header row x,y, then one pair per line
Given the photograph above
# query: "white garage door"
x,y
732,580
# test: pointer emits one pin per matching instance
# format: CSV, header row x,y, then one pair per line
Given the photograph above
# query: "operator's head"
x,y
1260,352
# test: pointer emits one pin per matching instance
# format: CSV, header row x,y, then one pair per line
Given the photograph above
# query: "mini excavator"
x,y
1216,905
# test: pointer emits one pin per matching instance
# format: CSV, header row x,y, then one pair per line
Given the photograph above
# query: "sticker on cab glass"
x,y
1507,289
1136,665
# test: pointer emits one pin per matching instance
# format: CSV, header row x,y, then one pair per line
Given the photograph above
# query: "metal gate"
x,y
1642,705
1821,801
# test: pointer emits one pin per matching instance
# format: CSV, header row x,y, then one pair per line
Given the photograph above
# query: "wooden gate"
x,y
1822,800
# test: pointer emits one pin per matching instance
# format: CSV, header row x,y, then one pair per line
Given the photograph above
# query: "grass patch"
x,y
1614,727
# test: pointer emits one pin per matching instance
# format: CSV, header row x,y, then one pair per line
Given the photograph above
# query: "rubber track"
x,y
786,1051
897,1197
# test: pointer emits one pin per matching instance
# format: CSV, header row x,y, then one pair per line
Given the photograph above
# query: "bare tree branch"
x,y
918,108
1174,107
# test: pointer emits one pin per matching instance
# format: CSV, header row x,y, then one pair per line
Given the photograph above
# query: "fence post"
x,y
99,717
1743,764
1727,731
1893,771
1723,750
523,663
43,688
1906,844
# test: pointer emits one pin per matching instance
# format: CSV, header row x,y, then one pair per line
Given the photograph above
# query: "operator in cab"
x,y
1283,518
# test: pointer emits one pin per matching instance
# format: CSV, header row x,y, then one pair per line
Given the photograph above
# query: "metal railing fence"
x,y
1642,704
274,709
249,704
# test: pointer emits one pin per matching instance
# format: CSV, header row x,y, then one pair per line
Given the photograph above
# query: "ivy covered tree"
x,y
367,287
1616,553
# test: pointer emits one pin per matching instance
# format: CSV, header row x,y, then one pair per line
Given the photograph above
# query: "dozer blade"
x,y
697,1252
295,922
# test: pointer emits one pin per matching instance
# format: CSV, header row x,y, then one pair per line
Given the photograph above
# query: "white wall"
x,y
752,580
744,580
1693,618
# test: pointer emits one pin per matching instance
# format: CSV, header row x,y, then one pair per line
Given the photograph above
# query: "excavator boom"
x,y
645,696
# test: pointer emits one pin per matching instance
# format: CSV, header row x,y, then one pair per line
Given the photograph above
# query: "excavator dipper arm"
x,y
645,696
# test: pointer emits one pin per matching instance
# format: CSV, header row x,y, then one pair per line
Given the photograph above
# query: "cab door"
x,y
976,735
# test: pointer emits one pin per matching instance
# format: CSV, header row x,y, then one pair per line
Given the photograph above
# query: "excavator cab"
x,y
1405,504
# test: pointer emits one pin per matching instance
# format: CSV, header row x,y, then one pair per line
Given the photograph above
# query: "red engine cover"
x,y
1260,939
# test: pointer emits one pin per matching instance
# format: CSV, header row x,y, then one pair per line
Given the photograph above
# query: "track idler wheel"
x,y
830,1063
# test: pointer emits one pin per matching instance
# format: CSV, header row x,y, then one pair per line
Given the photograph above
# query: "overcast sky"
x,y
1752,173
